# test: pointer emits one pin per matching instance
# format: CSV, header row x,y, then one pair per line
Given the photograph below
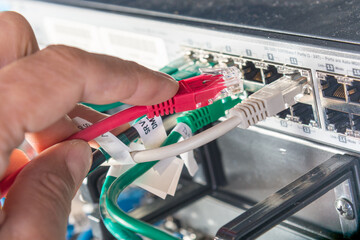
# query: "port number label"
x,y
330,67
248,52
342,139
306,129
293,61
356,72
283,123
270,56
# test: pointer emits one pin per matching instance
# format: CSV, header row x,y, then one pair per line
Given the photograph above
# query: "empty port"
x,y
354,92
283,114
337,121
249,93
229,62
252,73
332,89
300,112
355,121
304,112
271,74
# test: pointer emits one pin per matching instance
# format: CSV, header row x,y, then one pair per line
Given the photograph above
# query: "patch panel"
x,y
258,73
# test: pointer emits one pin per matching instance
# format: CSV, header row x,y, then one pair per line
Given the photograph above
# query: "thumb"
x,y
38,204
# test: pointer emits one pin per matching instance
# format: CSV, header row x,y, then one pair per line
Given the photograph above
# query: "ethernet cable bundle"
x,y
202,99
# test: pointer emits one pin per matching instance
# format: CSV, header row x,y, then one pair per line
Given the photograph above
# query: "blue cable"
x,y
87,235
70,231
131,198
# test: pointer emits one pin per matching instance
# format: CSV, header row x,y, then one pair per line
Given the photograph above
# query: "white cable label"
x,y
162,165
151,131
111,144
163,178
162,184
188,157
118,170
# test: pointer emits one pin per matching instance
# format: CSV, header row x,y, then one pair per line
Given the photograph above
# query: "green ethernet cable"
x,y
103,108
190,70
201,117
122,219
116,229
174,66
196,119
99,156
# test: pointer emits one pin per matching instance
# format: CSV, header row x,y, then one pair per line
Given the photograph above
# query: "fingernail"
x,y
78,160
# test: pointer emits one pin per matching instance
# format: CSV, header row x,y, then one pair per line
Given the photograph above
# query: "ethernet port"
x,y
356,122
271,74
337,121
304,112
354,92
249,93
332,89
283,114
252,73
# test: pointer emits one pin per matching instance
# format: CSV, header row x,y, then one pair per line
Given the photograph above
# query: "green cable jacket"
x,y
116,229
119,185
195,119
104,107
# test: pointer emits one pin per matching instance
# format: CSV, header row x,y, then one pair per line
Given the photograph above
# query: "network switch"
x,y
332,68
258,73
249,164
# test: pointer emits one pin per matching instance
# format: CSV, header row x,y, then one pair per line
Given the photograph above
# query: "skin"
x,y
41,89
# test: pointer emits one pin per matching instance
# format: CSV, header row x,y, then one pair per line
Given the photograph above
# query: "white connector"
x,y
266,102
270,100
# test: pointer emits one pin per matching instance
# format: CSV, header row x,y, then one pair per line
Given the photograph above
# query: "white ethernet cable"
x,y
266,102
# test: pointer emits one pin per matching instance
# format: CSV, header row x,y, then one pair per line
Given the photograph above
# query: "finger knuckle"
x,y
70,59
64,55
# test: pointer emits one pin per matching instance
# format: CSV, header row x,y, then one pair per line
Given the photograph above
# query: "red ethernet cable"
x,y
193,93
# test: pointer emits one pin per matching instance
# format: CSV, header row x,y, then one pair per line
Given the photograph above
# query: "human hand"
x,y
38,90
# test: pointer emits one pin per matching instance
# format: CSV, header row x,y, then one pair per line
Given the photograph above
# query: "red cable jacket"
x,y
109,123
191,93
87,134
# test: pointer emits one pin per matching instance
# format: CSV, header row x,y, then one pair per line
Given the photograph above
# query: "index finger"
x,y
39,89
